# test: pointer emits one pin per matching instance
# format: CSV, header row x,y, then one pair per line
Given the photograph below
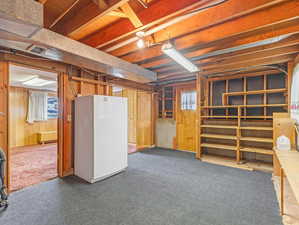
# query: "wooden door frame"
x,y
59,120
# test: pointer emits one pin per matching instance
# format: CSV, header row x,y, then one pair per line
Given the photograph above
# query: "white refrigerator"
x,y
101,136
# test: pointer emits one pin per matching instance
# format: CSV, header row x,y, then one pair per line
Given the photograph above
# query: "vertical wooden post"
x,y
61,102
4,116
225,103
245,95
265,96
198,117
239,135
281,192
289,83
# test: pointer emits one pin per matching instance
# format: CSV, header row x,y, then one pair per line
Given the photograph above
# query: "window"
x,y
188,100
52,107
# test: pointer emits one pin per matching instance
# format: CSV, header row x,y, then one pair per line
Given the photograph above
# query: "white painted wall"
x,y
165,132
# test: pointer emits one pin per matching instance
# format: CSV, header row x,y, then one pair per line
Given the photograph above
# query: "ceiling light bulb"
x,y
140,43
170,50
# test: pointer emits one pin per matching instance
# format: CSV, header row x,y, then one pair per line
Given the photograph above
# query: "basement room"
x,y
149,112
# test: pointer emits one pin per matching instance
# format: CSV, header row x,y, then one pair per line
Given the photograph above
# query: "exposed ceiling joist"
x,y
229,10
118,13
274,18
237,66
126,8
64,13
85,17
158,12
258,52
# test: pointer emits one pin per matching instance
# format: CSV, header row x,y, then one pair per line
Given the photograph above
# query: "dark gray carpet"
x,y
160,187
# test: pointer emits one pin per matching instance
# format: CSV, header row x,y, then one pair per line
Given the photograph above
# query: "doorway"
x,y
33,115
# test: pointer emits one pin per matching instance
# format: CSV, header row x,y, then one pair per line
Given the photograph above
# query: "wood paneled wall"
x,y
141,116
131,94
22,133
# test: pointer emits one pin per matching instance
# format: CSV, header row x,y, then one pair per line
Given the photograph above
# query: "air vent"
x,y
36,49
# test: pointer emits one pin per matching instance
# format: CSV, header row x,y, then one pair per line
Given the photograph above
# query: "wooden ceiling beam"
x,y
289,41
236,66
52,24
157,12
85,17
127,9
211,17
118,14
234,56
243,26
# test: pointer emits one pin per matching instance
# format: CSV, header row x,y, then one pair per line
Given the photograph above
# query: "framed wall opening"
x,y
33,111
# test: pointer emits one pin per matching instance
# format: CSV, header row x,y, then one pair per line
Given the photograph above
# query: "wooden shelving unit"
x,y
166,97
236,114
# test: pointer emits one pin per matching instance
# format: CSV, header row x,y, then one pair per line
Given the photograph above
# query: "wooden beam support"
x,y
63,14
126,8
238,66
290,41
234,57
117,13
87,16
286,16
230,10
158,12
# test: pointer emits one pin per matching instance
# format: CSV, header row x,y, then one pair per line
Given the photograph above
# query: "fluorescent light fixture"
x,y
169,50
38,82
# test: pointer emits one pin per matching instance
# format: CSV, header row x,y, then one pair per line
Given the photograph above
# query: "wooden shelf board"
x,y
257,128
219,126
219,136
243,106
256,139
219,116
257,150
218,146
269,91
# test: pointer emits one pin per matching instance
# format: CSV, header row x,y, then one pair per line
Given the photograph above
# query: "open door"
x,y
4,112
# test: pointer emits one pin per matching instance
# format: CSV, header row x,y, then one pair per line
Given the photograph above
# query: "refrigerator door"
x,y
110,136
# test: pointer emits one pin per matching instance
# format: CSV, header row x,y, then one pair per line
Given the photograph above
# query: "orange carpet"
x,y
32,165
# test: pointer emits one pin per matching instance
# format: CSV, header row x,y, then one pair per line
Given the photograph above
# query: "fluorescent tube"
x,y
169,50
38,82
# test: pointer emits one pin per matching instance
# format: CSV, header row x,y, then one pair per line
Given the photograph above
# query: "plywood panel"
x,y
22,133
186,124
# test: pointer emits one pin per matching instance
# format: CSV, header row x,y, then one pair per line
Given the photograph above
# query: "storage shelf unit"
x,y
166,99
236,113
